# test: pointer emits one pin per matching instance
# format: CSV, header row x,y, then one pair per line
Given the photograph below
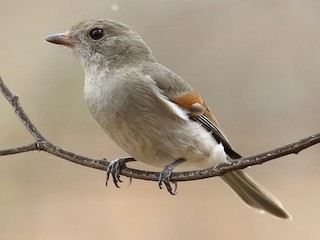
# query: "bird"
x,y
151,112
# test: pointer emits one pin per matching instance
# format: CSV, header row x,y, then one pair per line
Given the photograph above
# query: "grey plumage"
x,y
137,101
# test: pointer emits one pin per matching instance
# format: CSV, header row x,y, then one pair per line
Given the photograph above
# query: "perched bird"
x,y
151,112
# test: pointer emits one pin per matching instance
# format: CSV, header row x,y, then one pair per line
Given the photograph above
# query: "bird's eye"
x,y
96,33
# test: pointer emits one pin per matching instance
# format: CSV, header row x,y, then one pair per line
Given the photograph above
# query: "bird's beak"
x,y
62,39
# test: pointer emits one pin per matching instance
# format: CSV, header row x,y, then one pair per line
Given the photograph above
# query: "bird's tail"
x,y
255,195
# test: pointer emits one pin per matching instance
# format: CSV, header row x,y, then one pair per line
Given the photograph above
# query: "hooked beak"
x,y
62,39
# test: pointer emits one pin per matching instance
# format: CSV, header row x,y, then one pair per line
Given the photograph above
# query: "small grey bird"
x,y
150,112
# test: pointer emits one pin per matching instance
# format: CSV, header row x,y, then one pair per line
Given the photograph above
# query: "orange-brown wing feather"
x,y
189,100
199,112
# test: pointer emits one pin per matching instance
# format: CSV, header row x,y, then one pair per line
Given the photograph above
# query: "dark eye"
x,y
96,33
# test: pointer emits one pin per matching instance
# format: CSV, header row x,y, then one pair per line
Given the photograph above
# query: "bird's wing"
x,y
199,112
171,86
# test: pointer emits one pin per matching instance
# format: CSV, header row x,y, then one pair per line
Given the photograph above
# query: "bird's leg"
x,y
114,169
165,176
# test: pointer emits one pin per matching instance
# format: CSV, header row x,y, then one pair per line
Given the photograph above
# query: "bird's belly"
x,y
161,146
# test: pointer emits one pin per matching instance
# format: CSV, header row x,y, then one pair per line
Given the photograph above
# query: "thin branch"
x,y
14,101
16,150
42,144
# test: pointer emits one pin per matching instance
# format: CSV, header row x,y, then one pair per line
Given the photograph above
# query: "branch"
x,y
42,144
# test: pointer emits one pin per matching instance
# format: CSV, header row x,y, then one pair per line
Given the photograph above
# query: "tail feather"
x,y
255,195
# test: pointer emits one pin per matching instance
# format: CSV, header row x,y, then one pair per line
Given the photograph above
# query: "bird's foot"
x,y
165,176
114,169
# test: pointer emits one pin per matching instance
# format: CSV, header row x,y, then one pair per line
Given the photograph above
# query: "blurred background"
x,y
256,63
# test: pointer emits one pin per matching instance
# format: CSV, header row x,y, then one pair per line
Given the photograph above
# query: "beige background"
x,y
255,62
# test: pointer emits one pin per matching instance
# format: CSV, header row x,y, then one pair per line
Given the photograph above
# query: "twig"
x,y
42,144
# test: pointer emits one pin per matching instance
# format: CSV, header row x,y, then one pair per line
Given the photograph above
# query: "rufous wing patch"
x,y
195,105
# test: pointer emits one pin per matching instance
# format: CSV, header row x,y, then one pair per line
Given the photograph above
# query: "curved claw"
x,y
114,169
175,188
130,181
165,177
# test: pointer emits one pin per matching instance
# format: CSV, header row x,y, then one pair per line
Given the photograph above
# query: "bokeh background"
x,y
257,64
